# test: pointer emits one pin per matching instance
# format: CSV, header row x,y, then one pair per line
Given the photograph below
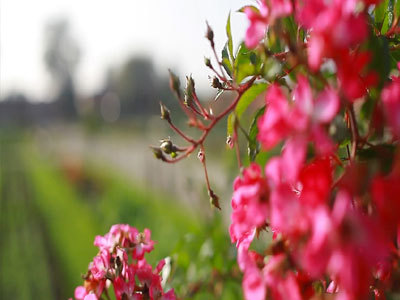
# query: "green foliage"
x,y
253,144
229,35
380,63
248,97
247,63
207,261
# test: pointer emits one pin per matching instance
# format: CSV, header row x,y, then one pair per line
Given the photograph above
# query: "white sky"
x,y
170,31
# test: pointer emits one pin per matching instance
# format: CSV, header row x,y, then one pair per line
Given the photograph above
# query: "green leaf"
x,y
248,97
387,22
247,63
290,26
381,57
380,12
253,146
272,68
226,63
255,9
244,102
229,35
230,124
396,10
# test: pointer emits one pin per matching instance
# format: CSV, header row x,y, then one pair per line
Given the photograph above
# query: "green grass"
x,y
48,223
72,218
25,269
68,221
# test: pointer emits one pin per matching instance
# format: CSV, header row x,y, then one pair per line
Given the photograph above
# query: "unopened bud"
x,y
207,62
201,156
167,146
164,112
229,141
214,199
189,91
216,83
158,153
210,35
174,83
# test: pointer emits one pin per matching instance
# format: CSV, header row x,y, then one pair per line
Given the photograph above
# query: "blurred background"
x,y
80,85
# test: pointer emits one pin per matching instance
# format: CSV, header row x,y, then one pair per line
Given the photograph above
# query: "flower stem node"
x,y
214,199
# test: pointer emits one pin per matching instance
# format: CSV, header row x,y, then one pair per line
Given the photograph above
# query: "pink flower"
x,y
391,101
281,283
385,193
262,17
254,285
299,122
120,234
249,203
80,293
334,27
316,181
353,78
143,244
274,125
253,282
100,265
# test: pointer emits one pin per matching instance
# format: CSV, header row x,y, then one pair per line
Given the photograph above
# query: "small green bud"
x,y
214,199
207,62
165,114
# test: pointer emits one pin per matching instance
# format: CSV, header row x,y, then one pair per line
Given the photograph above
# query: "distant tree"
x,y
136,85
139,87
61,58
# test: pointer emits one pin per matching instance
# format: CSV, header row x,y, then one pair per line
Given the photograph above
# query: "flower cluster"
x,y
335,221
327,185
334,28
121,263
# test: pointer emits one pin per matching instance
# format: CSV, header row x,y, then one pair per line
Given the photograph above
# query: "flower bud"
x,y
174,83
165,112
229,141
189,91
216,83
167,146
214,199
207,62
158,153
210,35
201,156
